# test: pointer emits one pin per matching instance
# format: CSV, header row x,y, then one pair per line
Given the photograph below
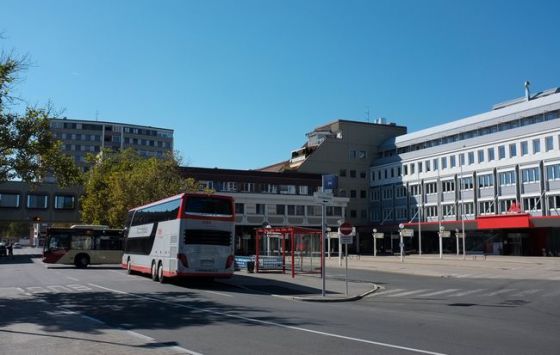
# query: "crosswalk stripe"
x,y
501,291
439,292
407,293
389,291
468,292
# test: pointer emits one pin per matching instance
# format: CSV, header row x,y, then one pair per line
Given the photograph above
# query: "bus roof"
x,y
176,197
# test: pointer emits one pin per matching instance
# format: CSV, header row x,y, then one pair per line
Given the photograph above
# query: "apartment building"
x,y
80,137
495,174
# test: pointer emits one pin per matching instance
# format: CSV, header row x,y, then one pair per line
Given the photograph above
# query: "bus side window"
x,y
109,243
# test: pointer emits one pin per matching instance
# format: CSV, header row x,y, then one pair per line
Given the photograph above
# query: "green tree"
x,y
28,150
119,181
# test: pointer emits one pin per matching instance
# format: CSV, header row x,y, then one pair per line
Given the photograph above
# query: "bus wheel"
x,y
160,273
154,271
129,267
81,261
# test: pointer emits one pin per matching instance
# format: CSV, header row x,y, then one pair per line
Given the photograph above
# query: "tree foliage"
x,y
28,150
119,181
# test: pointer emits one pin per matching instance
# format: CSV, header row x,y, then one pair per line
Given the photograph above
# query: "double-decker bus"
x,y
187,235
83,245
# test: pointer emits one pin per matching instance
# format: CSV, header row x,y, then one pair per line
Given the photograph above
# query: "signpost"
x,y
442,234
347,233
323,198
375,237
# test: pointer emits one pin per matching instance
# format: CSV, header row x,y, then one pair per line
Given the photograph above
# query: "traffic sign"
x,y
346,239
323,197
459,235
345,229
407,232
378,235
445,234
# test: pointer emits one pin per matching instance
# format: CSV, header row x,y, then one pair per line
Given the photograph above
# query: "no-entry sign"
x,y
345,229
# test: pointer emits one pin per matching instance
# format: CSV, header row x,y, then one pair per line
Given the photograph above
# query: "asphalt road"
x,y
408,315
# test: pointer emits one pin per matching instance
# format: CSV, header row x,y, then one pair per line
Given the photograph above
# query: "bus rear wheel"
x,y
81,261
154,272
161,278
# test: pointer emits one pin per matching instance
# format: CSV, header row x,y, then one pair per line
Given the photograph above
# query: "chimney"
x,y
527,94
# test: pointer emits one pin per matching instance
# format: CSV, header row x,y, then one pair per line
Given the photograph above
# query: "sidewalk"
x,y
493,266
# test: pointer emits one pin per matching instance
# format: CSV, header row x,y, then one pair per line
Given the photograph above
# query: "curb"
x,y
338,299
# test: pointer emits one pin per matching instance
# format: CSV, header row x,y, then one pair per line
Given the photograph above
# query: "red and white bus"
x,y
83,245
187,235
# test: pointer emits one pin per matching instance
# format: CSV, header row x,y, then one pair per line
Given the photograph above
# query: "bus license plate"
x,y
206,263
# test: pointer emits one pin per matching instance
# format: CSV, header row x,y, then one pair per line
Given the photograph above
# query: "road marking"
x,y
408,293
280,325
501,291
72,278
55,288
389,291
37,289
436,293
464,293
217,293
526,293
95,320
79,287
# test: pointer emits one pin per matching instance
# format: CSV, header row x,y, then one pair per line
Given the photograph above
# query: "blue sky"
x,y
241,82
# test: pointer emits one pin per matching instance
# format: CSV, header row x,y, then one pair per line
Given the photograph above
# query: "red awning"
x,y
504,221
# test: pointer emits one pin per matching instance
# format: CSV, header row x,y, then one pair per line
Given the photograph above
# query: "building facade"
x,y
269,198
469,174
80,137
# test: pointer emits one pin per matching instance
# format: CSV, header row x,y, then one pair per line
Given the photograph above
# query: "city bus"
x,y
83,245
187,235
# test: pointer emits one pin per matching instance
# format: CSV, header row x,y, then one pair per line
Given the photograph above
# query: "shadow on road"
x,y
19,259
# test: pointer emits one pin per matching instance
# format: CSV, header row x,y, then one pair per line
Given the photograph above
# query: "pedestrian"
x,y
10,249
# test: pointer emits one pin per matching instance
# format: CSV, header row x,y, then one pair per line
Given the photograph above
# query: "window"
x,y
548,143
296,210
490,152
553,172
287,189
536,146
431,211
435,164
260,208
303,190
314,210
375,195
385,172
486,207
400,213
392,172
427,165
363,214
414,190
230,186
554,202
375,215
524,148
467,183
530,175
412,168
387,213
452,162
431,188
505,205
280,210
363,194
9,200
342,172
507,178
352,173
462,159
419,166
449,210
37,201
448,185
64,202
362,154
400,191
485,181
388,193
471,158
363,174
501,152
353,214
444,162
512,150
480,153
532,204
405,169
353,193
468,208
239,208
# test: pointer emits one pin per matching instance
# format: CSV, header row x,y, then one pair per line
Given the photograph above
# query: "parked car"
x,y
3,251
17,246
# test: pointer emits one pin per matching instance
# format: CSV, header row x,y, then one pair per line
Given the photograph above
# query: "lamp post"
x,y
457,239
401,243
440,234
374,242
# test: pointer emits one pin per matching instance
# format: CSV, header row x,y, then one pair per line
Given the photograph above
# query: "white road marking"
x,y
501,291
95,320
468,292
407,293
260,321
217,293
58,288
37,289
79,287
436,293
526,293
388,291
72,278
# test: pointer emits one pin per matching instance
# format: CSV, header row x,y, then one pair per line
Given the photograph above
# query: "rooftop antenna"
x,y
527,94
367,113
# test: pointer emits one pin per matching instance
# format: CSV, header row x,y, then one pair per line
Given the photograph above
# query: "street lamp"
x,y
440,234
457,239
374,242
401,243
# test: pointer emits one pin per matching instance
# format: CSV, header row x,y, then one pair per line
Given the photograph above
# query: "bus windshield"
x,y
59,240
202,205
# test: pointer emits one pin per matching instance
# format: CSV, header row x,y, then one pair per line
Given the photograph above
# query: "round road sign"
x,y
345,229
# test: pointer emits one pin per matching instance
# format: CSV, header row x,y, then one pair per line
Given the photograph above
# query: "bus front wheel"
x,y
81,261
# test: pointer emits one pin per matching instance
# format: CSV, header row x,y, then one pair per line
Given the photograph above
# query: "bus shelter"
x,y
293,249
